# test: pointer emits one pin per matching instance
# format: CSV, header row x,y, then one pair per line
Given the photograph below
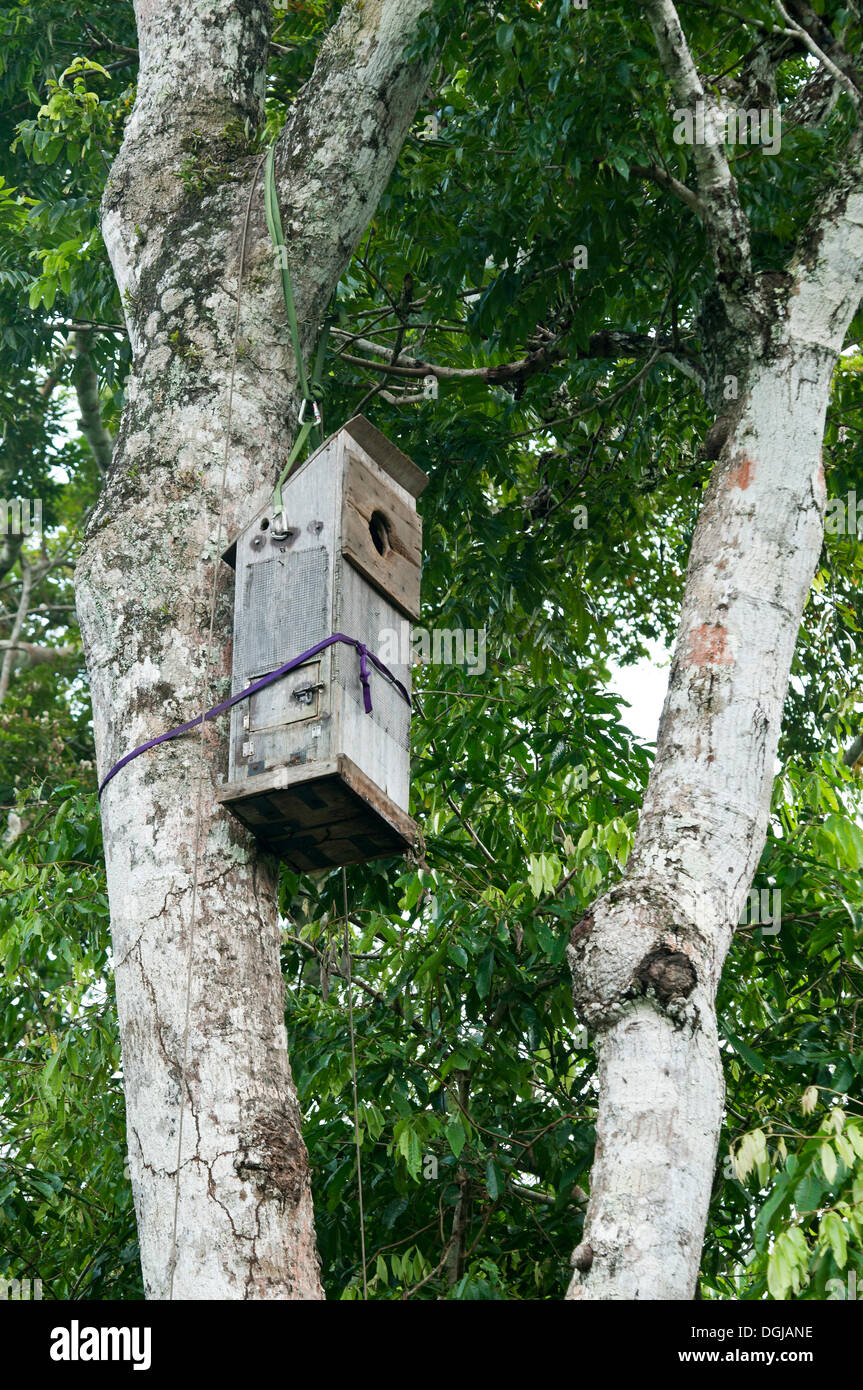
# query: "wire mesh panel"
x,y
285,609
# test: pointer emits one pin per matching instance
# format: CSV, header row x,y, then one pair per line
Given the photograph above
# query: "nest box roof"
x,y
385,454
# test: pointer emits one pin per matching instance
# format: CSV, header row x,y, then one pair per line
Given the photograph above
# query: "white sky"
x,y
643,686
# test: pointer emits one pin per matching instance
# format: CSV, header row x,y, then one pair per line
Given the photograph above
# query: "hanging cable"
x,y
354,1082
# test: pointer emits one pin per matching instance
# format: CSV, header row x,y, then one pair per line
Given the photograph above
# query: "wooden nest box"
x,y
320,781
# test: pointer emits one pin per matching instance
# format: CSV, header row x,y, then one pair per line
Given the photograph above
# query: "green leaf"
x,y
749,1055
484,974
493,1179
829,1162
774,1204
832,1233
455,1137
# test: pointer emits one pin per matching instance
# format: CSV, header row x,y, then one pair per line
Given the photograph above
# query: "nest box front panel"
x,y
283,606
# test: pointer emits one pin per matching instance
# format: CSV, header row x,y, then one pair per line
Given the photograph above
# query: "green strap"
x,y
274,224
299,445
309,393
318,368
308,425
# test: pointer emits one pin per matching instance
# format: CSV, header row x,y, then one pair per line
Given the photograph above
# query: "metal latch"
x,y
307,693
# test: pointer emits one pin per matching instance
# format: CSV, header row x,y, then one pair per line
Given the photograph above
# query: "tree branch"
x,y
341,141
31,654
21,614
55,375
611,343
813,103
817,38
10,549
828,262
417,367
87,390
719,206
854,754
661,176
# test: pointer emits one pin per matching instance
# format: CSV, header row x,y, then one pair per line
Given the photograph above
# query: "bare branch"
x,y
10,549
813,103
417,367
817,37
362,58
661,176
20,616
31,654
103,39
807,39
744,19
610,344
854,754
723,217
55,375
87,389
828,263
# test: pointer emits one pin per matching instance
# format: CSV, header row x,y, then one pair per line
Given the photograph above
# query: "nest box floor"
x,y
320,816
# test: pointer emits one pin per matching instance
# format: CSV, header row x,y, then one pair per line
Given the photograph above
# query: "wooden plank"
x,y
396,571
374,797
387,455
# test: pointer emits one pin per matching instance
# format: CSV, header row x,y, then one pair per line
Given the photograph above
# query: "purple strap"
x,y
365,657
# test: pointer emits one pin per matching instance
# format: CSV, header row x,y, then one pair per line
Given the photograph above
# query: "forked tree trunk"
x,y
173,219
647,958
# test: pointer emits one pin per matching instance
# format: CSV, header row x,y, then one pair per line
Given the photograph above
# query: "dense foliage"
x,y
564,490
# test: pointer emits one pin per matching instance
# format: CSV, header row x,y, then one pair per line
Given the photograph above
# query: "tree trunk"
x,y
647,958
202,1010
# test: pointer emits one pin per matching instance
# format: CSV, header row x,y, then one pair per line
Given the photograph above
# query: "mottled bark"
x,y
172,220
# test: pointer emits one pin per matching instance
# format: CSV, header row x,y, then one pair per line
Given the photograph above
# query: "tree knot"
x,y
670,973
274,1158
